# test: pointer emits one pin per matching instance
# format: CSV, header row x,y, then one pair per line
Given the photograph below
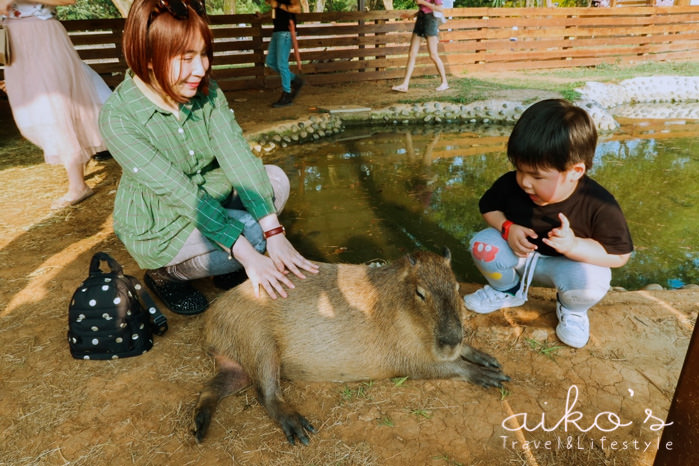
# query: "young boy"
x,y
549,221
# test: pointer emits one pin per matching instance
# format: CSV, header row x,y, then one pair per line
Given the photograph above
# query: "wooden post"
x,y
680,440
258,47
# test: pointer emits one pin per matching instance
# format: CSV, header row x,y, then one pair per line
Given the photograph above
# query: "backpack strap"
x,y
158,321
114,266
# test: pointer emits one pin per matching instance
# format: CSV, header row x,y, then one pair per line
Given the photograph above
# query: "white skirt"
x,y
54,101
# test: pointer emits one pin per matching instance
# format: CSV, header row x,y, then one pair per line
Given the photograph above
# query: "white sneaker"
x,y
573,327
488,299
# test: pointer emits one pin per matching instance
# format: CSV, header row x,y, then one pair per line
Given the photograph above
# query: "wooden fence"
x,y
354,46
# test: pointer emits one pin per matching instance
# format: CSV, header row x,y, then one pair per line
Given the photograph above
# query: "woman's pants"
x,y
200,258
278,57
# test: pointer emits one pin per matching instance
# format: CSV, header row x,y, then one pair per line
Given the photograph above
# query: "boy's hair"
x,y
555,134
153,36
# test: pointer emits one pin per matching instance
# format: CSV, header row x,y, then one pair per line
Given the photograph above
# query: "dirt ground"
x,y
603,404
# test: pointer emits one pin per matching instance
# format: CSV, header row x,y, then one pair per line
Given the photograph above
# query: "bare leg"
x,y
78,190
412,56
432,46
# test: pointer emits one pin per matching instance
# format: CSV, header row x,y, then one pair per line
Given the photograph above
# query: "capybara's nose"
x,y
451,337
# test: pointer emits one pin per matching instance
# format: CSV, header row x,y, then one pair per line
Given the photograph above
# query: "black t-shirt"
x,y
281,17
592,210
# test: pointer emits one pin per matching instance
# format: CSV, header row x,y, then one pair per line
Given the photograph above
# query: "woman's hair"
x,y
153,36
555,134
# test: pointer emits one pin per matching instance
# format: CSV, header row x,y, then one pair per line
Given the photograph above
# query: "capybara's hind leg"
x,y
230,378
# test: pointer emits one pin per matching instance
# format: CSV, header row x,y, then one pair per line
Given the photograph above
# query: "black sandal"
x,y
179,296
230,280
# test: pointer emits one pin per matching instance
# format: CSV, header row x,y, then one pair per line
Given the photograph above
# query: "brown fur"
x,y
346,323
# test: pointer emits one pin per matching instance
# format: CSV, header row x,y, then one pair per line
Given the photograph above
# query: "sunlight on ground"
x,y
47,272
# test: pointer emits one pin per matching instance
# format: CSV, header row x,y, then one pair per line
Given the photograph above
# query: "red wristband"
x,y
275,231
505,231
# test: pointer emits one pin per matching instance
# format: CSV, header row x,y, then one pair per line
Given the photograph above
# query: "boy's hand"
x,y
562,239
518,239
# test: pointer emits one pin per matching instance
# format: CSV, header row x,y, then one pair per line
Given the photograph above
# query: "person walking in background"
x,y
283,12
54,101
193,200
427,26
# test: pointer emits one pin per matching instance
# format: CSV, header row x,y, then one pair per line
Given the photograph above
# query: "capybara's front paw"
x,y
489,377
295,427
478,357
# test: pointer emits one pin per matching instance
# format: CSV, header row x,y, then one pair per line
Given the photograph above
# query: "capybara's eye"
x,y
420,292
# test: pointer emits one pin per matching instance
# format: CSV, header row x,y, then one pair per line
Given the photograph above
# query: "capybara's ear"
x,y
447,254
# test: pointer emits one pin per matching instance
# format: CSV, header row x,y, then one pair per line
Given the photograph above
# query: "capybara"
x,y
346,323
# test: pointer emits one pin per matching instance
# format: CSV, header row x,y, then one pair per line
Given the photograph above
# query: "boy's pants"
x,y
579,285
278,57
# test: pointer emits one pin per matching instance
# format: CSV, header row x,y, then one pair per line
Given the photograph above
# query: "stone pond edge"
x,y
599,99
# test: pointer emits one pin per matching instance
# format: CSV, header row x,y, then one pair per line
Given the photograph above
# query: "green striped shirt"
x,y
176,173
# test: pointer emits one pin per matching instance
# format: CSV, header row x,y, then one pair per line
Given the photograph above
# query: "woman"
x,y
427,26
54,101
193,201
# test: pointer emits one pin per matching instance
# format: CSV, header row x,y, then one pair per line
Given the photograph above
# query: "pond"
x,y
370,195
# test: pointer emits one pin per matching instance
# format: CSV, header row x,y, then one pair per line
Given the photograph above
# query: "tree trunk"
x,y
229,7
388,5
123,6
320,5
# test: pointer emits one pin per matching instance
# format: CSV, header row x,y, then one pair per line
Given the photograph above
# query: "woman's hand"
x,y
286,258
260,269
270,272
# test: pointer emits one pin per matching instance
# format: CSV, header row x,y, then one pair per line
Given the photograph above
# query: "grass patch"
x,y
360,392
504,393
399,381
421,413
562,81
448,460
570,95
545,348
605,72
469,90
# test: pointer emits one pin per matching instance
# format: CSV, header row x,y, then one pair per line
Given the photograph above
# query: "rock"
x,y
540,334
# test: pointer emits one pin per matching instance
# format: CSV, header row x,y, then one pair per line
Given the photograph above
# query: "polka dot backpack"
x,y
111,315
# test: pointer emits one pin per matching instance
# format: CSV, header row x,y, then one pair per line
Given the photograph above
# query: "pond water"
x,y
370,195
